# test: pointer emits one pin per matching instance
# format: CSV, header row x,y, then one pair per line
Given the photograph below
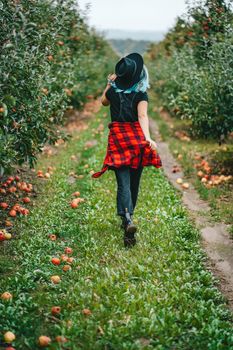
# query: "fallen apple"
x,y
53,237
66,268
74,204
61,339
44,341
24,211
185,185
56,261
12,213
56,310
68,250
2,236
200,173
86,312
8,223
70,260
9,337
76,194
179,180
6,296
12,189
26,200
50,168
64,257
55,279
4,205
8,235
179,156
40,174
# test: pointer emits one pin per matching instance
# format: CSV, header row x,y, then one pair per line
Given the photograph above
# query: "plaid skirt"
x,y
127,146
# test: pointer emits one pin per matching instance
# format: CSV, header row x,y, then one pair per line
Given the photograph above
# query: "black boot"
x,y
123,222
130,229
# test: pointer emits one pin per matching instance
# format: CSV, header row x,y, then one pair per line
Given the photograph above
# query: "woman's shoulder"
x,y
110,92
142,96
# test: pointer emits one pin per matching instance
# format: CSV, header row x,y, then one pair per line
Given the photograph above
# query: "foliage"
x,y
192,68
48,56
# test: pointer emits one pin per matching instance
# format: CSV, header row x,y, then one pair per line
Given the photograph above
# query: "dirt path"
x,y
215,238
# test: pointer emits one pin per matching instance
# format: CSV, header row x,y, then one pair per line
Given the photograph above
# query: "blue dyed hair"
x,y
142,85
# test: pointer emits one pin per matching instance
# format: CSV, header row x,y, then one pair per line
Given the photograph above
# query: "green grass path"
x,y
157,295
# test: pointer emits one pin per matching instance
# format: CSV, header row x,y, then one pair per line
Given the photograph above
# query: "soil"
x,y
214,237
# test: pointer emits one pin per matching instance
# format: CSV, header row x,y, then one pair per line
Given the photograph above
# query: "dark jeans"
x,y
128,180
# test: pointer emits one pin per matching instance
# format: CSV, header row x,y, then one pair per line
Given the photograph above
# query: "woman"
x,y
130,146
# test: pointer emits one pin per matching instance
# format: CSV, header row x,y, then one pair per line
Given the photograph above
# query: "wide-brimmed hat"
x,y
128,70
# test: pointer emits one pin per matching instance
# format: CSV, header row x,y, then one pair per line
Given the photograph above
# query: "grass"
x,y
219,157
157,295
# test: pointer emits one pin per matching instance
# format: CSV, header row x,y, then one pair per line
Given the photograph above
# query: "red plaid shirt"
x,y
127,146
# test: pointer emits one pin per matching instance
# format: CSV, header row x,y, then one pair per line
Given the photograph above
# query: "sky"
x,y
149,15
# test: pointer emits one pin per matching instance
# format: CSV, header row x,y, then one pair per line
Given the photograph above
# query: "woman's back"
x,y
123,106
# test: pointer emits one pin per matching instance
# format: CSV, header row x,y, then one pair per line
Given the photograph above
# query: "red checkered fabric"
x,y
127,146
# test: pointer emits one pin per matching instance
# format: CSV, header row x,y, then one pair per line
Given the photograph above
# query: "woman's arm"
x,y
144,122
104,100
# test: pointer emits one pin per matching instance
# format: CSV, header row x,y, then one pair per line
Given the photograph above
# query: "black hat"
x,y
128,70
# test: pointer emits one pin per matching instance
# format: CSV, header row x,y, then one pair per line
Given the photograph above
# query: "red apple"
x,y
12,213
74,204
53,237
56,261
76,194
61,339
6,296
68,250
26,200
2,236
70,260
44,341
86,312
64,257
4,205
56,310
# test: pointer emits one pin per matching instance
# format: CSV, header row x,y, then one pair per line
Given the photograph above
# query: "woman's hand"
x,y
153,145
112,77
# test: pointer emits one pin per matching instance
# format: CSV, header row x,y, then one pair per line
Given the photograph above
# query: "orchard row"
x,y
50,60
192,68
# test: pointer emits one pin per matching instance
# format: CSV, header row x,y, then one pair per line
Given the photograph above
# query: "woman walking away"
x,y
130,146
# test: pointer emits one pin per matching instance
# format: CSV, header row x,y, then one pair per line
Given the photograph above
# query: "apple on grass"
x,y
9,337
66,268
6,296
56,310
68,250
61,339
44,341
55,261
55,279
